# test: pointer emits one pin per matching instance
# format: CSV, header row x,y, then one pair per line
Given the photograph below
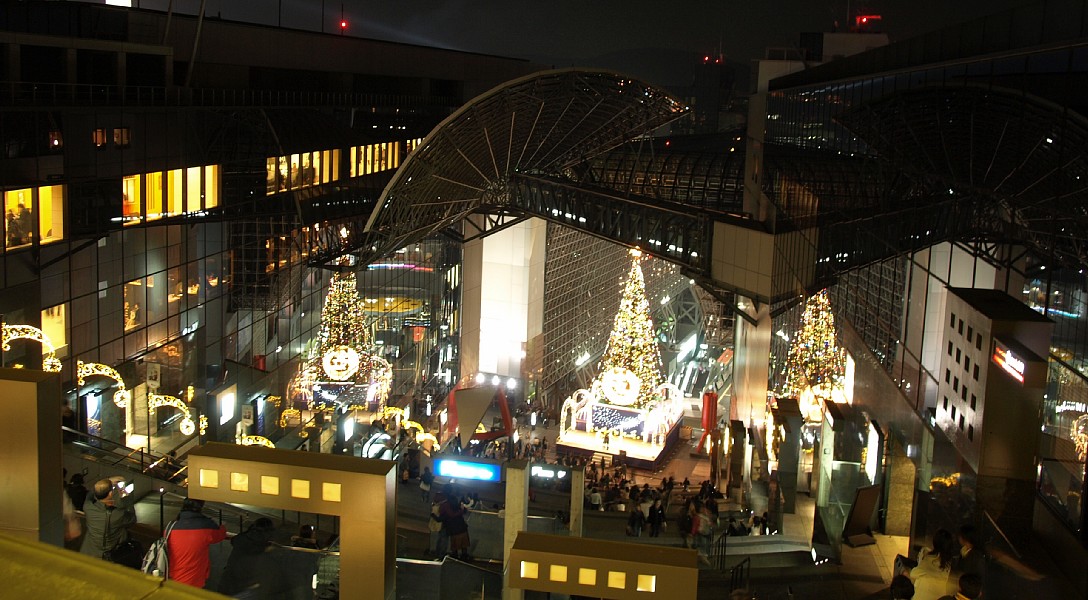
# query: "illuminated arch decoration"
x,y
50,362
203,424
187,426
255,440
85,370
412,425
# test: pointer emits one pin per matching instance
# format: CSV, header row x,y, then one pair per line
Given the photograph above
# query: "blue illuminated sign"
x,y
468,470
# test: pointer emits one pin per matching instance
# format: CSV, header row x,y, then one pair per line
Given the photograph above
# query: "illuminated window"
x,y
530,570
270,485
239,482
330,492
300,488
226,408
130,199
51,213
270,173
155,187
192,189
56,140
209,478
646,583
211,186
18,218
99,137
587,576
134,304
617,579
55,324
175,198
120,137
557,573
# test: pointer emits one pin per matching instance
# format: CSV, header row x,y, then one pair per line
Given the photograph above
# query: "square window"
x,y
239,482
587,576
270,485
617,579
330,492
646,583
558,573
120,137
530,570
973,400
209,478
300,488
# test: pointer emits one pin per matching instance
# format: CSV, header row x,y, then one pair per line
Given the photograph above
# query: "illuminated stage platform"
x,y
639,454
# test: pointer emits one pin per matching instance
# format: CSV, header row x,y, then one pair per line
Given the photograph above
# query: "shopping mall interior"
x,y
840,302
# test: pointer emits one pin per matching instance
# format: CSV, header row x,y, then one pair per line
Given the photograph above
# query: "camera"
x,y
126,488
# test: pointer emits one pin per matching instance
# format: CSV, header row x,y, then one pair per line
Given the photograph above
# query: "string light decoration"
x,y
632,346
344,337
255,440
815,365
187,425
1079,433
85,370
50,362
288,414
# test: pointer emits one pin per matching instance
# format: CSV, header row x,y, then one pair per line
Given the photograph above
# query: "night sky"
x,y
652,39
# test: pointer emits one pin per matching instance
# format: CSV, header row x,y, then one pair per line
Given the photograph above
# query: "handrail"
x,y
1008,544
110,447
740,575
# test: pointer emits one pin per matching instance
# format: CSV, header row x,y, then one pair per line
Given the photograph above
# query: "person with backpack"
x,y
187,543
109,514
702,531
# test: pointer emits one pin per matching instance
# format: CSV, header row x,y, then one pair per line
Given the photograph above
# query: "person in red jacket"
x,y
187,545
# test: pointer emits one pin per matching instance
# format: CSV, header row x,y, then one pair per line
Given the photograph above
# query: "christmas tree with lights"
x,y
815,361
344,341
632,344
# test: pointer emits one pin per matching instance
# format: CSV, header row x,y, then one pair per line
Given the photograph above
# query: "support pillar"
x,y
517,511
577,499
31,482
789,418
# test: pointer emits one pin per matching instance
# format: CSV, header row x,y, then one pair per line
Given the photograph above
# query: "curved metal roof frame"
x,y
541,124
1022,159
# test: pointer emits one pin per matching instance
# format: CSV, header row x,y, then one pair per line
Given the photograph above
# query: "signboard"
x,y
247,413
459,469
1009,362
154,376
548,472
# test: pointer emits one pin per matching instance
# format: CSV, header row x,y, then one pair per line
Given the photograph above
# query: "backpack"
x,y
705,528
156,561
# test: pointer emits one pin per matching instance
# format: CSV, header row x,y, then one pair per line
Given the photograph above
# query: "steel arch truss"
x,y
543,124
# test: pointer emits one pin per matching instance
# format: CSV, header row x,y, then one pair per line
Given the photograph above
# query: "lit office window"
x,y
209,478
98,137
131,189
330,492
239,482
192,189
175,198
617,579
300,488
120,137
211,186
155,187
18,218
558,573
270,485
51,213
587,576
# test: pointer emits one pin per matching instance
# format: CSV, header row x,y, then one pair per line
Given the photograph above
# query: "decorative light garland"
x,y
85,370
289,413
50,362
255,440
187,425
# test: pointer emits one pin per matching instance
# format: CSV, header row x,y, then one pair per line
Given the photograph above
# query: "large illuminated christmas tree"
x,y
632,344
815,362
344,341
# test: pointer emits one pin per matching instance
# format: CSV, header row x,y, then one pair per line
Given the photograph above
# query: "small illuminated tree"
x,y
632,344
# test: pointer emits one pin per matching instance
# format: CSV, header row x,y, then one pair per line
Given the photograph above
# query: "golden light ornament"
x,y
340,363
50,362
288,414
412,425
1079,433
85,370
203,424
256,440
187,425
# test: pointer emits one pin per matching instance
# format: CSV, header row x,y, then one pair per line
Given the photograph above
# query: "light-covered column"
x,y
517,511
